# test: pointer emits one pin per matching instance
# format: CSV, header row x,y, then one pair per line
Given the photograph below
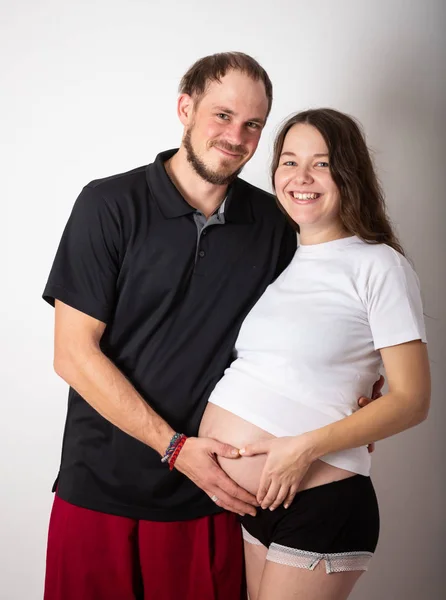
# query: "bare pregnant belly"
x,y
226,427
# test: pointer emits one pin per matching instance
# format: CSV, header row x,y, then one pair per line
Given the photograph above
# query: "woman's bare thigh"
x,y
281,582
255,559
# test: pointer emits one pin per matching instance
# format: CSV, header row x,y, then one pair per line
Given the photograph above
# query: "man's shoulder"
x,y
254,191
119,183
261,200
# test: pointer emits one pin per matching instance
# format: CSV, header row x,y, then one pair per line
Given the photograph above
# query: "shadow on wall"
x,y
406,120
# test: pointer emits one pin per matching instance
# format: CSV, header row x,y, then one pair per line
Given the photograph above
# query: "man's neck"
x,y
205,197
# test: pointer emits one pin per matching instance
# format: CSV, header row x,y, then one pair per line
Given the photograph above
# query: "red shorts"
x,y
95,556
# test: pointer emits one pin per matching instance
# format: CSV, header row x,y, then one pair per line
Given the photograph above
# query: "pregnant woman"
x,y
348,303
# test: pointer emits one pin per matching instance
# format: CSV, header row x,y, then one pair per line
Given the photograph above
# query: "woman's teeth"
x,y
312,196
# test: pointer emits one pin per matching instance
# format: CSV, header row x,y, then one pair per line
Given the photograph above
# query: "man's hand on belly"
x,y
197,460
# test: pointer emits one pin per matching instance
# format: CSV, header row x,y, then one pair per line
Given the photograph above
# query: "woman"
x,y
348,303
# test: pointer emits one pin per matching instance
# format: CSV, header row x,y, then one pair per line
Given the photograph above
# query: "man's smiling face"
x,y
223,127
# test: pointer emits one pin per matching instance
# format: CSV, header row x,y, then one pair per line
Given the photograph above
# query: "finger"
x,y
271,495
363,401
229,486
213,480
253,449
378,386
291,495
225,500
225,450
264,484
228,502
208,475
283,493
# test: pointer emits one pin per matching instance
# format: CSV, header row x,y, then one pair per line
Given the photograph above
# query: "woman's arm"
x,y
404,406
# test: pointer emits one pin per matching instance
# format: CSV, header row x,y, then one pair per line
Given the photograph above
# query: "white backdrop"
x,y
89,89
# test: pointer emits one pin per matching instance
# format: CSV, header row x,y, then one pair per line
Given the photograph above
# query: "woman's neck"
x,y
310,235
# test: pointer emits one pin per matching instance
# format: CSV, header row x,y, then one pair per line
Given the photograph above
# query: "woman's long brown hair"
x,y
362,207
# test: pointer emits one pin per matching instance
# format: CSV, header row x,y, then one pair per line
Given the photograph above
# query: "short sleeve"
x,y
395,309
86,266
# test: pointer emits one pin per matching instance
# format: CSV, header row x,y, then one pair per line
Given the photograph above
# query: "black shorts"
x,y
337,522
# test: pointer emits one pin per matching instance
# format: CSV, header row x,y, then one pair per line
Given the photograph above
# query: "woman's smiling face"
x,y
303,181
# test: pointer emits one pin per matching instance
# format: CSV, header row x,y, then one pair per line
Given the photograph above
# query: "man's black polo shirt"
x,y
129,257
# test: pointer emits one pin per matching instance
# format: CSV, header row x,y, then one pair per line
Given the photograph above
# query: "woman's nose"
x,y
303,175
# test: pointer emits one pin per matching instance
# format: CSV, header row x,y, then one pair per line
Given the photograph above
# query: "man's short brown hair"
x,y
214,67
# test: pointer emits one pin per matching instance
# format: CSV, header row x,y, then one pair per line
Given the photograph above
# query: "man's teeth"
x,y
305,196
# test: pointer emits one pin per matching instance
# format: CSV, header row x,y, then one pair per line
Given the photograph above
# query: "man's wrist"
x,y
173,450
165,435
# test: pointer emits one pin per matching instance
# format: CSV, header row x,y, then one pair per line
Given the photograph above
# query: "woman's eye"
x,y
322,164
289,163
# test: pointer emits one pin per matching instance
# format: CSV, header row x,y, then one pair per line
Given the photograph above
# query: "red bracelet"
x,y
174,456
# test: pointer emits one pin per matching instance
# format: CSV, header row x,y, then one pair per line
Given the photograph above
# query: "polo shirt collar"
x,y
170,201
237,206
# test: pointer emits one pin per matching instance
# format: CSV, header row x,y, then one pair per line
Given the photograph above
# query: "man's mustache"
x,y
235,149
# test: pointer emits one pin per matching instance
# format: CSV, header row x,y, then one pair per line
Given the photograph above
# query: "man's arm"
x,y
79,360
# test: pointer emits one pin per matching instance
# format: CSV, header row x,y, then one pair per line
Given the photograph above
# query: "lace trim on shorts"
x,y
335,562
250,538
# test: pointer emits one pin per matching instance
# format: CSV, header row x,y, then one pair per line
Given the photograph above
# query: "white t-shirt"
x,y
310,346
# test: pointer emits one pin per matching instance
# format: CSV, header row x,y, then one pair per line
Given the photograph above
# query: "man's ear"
x,y
185,109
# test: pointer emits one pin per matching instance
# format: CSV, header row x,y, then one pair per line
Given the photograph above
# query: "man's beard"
x,y
214,177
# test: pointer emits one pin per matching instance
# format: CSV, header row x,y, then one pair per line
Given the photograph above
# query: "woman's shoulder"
x,y
376,266
380,256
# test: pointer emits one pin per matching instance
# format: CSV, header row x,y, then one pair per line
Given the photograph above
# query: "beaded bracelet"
x,y
171,447
176,452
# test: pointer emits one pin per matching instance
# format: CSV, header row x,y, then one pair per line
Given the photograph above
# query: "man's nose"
x,y
235,134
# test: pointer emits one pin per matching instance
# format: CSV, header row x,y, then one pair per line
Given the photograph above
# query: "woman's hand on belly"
x,y
219,424
288,460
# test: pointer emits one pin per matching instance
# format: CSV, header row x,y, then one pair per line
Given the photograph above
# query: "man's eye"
x,y
252,125
222,116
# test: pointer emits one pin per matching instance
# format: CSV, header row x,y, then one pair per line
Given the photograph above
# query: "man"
x,y
154,274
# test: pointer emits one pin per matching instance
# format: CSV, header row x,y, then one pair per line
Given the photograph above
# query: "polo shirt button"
x,y
204,232
201,253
